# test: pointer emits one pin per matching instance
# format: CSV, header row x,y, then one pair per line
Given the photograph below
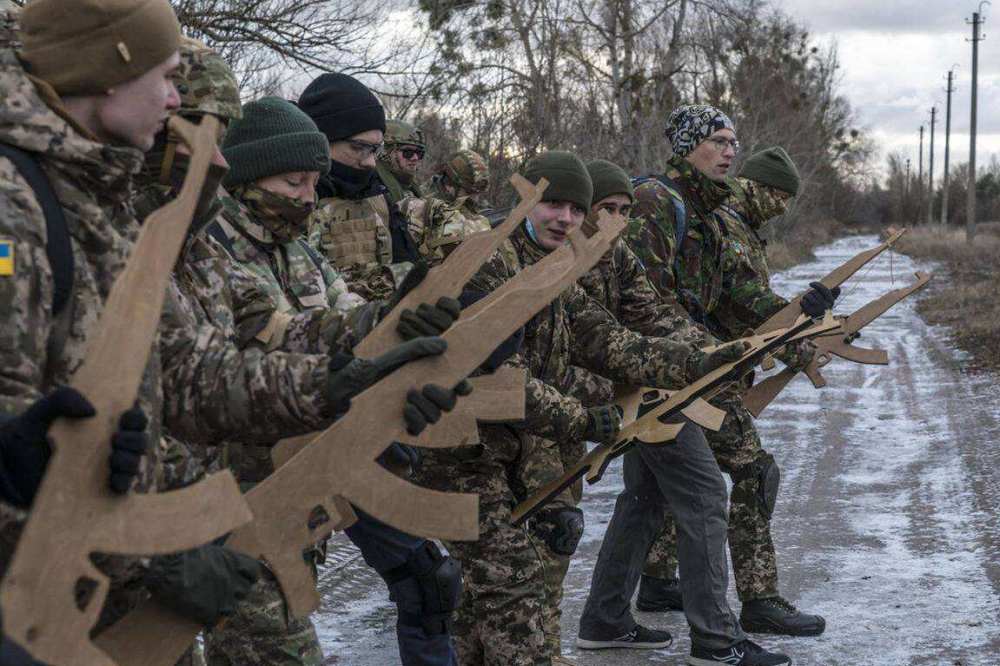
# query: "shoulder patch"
x,y
6,257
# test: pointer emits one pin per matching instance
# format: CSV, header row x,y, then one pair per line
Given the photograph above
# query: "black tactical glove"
x,y
400,457
128,445
426,320
24,442
700,363
424,407
603,424
203,584
350,376
818,299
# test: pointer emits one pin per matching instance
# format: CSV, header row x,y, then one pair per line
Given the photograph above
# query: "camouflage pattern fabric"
x,y
354,237
499,620
439,227
205,83
92,182
260,633
466,169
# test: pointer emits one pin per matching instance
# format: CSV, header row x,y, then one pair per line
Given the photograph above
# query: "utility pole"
x,y
920,178
947,146
930,179
906,183
970,212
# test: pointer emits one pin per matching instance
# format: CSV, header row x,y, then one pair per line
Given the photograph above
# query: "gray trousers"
x,y
683,476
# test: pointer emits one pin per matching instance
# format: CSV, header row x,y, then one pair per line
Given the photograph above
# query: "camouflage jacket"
x,y
576,330
694,270
295,301
748,300
213,391
438,227
37,350
363,237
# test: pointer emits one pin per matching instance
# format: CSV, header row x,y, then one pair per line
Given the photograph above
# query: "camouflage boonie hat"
x,y
206,83
401,133
468,170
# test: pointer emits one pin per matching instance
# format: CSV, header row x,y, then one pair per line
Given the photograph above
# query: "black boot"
x,y
659,595
775,615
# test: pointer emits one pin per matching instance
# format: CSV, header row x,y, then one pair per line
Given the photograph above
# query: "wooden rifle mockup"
x,y
75,514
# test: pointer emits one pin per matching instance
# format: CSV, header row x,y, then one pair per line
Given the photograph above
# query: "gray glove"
x,y
700,363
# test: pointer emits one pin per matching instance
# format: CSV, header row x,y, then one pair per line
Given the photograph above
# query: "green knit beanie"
x,y
273,137
772,167
567,176
608,179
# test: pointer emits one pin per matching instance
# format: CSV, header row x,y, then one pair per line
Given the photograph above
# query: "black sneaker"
x,y
775,615
658,595
640,637
746,653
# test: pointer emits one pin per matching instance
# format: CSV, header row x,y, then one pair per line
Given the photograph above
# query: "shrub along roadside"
x,y
963,296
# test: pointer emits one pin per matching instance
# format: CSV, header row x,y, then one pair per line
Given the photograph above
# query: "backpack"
x,y
58,247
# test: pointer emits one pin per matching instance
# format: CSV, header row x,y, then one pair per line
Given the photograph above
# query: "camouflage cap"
x,y
402,133
467,169
206,83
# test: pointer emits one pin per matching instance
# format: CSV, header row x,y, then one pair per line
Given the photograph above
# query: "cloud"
x,y
908,16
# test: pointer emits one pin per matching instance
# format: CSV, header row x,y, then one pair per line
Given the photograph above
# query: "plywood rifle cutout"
x,y
75,514
340,464
837,342
651,415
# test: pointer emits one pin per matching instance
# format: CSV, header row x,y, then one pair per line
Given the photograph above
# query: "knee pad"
x,y
561,529
426,589
766,476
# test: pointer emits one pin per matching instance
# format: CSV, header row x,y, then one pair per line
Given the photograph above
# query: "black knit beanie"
x,y
273,137
342,106
773,167
609,178
567,176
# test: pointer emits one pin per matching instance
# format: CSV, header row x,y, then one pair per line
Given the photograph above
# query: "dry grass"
x,y
964,298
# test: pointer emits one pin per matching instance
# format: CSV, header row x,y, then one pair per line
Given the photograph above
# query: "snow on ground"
x,y
886,521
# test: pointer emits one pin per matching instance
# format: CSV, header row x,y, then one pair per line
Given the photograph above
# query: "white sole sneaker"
x,y
585,644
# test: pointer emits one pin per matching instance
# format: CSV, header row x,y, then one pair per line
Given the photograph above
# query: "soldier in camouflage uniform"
x,y
356,226
687,203
448,212
400,159
115,57
277,155
500,620
462,180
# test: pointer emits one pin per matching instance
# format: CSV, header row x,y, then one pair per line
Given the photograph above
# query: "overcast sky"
x,y
895,55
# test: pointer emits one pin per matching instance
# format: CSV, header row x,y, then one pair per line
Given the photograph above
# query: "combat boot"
x,y
658,595
775,615
745,653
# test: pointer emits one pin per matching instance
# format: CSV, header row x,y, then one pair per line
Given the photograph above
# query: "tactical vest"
x,y
353,233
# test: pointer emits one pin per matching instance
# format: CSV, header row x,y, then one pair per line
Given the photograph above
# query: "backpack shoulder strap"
x,y
313,254
58,246
215,230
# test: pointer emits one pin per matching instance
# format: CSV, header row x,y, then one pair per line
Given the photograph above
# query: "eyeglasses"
x,y
412,153
363,148
722,143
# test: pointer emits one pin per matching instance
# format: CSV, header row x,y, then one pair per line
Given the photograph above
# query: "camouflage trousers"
x,y
261,633
543,461
498,622
736,446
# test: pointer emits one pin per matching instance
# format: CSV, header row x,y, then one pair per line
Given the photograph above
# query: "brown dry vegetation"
x,y
795,247
964,295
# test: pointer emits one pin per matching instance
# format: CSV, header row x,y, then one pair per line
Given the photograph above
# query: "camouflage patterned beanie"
x,y
689,125
206,83
567,176
87,47
273,137
772,167
608,179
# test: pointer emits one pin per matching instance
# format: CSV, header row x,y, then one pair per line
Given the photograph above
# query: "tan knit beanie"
x,y
85,47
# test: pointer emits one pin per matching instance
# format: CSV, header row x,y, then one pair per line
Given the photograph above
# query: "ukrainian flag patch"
x,y
6,257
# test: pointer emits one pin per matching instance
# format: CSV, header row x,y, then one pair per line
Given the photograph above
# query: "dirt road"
x,y
886,522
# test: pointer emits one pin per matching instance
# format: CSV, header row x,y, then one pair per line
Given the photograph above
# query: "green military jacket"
x,y
575,330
